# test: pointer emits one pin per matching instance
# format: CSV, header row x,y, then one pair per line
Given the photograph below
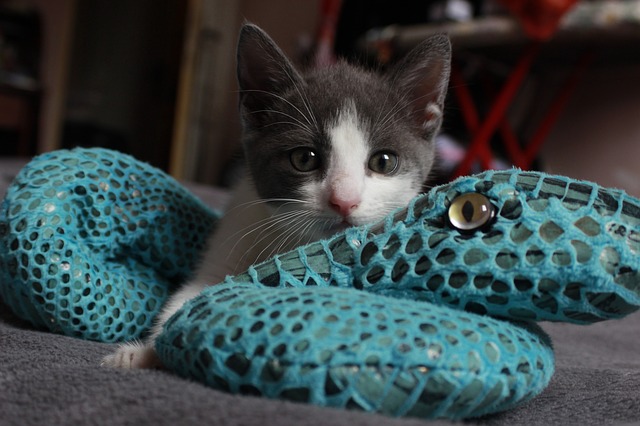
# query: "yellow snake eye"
x,y
469,212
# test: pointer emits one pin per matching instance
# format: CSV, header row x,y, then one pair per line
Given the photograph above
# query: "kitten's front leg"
x,y
138,354
133,355
223,257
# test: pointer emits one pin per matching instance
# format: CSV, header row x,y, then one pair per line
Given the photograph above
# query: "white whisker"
x,y
300,234
306,130
273,226
282,98
303,98
397,108
269,201
300,124
262,226
384,104
259,227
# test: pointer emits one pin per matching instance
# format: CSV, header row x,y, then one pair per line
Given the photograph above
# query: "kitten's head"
x,y
349,145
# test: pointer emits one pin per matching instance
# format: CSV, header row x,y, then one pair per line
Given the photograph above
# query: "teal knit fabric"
x,y
557,250
351,349
429,313
91,242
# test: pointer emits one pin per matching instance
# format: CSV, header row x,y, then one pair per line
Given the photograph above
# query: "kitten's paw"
x,y
132,355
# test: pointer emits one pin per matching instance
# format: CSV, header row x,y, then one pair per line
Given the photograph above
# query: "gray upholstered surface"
x,y
51,379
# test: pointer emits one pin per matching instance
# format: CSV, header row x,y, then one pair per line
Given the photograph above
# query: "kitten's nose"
x,y
344,206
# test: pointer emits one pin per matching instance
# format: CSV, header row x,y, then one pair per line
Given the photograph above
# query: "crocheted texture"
x,y
316,324
91,242
382,318
557,250
350,349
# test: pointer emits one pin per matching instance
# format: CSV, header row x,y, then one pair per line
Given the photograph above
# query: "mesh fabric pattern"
x,y
409,316
558,250
350,349
394,317
91,242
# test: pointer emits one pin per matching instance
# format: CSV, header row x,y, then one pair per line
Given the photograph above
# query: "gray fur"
x,y
283,109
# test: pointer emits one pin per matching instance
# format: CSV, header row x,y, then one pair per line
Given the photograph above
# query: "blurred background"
x,y
540,84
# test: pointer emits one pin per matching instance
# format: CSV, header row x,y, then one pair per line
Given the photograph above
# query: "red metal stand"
x,y
479,148
480,141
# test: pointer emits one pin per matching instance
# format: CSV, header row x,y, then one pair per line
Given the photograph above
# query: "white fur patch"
x,y
349,154
348,176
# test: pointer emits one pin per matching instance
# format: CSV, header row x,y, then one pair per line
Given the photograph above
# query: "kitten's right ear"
x,y
423,76
263,69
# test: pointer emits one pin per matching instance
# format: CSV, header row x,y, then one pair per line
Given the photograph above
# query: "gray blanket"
x,y
51,379
47,379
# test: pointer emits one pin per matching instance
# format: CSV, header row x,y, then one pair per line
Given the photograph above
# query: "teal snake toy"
x,y
430,313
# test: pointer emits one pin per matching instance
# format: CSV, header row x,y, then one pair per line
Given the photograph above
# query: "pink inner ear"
x,y
432,113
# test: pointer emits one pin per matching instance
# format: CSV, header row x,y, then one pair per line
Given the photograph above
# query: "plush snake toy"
x,y
430,313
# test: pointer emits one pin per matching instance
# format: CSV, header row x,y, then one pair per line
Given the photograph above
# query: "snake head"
x,y
510,244
513,244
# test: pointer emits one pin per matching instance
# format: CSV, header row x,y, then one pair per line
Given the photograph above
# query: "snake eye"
x,y
469,212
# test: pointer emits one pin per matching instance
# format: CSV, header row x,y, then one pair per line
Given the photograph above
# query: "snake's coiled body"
x,y
558,250
317,324
411,316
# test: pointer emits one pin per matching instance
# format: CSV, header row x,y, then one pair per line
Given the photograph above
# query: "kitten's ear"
x,y
423,76
263,69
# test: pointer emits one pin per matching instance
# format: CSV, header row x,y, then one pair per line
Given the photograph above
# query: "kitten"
x,y
334,148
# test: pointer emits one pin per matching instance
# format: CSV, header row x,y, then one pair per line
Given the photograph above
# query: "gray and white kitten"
x,y
329,149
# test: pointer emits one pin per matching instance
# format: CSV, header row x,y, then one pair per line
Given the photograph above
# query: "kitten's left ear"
x,y
423,76
263,70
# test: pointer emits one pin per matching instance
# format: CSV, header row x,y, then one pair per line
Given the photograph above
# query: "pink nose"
x,y
344,206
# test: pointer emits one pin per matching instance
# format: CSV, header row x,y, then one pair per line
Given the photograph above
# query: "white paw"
x,y
132,355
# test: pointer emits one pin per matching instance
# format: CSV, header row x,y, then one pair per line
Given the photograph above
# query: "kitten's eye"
x,y
383,162
469,212
304,159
